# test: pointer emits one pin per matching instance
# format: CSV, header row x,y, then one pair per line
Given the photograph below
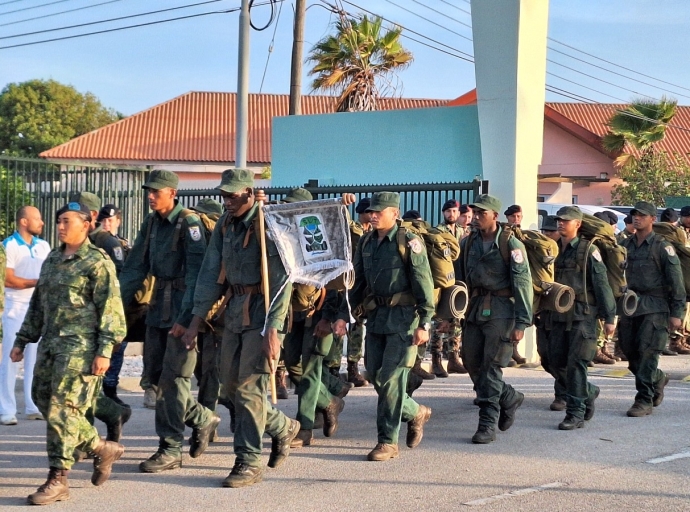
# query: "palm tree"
x,y
358,62
638,126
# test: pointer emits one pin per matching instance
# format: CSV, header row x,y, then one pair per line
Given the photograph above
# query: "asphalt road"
x,y
533,466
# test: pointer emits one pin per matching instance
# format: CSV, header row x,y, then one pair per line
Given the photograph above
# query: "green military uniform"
x,y
655,275
171,249
110,244
76,311
244,368
382,276
501,300
573,341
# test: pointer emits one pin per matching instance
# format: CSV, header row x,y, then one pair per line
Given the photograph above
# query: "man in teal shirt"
x,y
396,291
499,312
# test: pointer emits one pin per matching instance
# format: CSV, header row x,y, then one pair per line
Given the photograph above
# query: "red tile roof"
x,y
199,127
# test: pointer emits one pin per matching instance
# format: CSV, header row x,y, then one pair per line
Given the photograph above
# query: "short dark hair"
x,y
21,213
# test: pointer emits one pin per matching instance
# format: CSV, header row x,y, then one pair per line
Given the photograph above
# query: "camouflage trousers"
x,y
64,390
355,343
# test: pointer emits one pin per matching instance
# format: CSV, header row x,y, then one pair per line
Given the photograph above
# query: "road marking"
x,y
669,458
512,494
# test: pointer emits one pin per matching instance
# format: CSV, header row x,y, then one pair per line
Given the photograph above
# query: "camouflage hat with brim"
x,y
382,200
297,195
549,223
208,206
234,180
569,213
91,201
643,208
161,179
487,202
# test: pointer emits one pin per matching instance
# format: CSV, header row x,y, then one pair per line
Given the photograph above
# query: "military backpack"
x,y
677,238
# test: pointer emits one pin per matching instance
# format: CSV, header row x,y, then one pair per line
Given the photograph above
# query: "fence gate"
x,y
426,198
48,186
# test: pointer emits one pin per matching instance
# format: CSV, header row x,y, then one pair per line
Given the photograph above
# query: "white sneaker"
x,y
34,416
150,399
8,419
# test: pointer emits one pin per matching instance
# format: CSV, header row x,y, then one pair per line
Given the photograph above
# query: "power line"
x,y
34,7
130,26
581,85
11,2
109,20
57,13
443,14
430,21
456,7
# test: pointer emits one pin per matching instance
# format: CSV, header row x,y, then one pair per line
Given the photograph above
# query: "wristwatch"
x,y
426,326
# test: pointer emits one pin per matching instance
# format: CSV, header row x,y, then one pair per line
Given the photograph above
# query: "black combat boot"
x,y
115,429
54,489
280,446
437,365
111,392
201,436
507,415
484,435
571,423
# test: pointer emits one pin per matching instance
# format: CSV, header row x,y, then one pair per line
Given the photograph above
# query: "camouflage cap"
x,y
297,195
160,179
234,180
91,201
569,213
644,208
208,206
487,202
382,200
549,223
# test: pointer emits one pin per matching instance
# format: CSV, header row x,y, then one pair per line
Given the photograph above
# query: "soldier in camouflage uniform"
x,y
77,313
247,355
399,308
500,309
170,246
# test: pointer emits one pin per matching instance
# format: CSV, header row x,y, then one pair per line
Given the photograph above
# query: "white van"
x,y
545,209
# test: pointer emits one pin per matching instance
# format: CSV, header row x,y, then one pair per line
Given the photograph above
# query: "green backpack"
x,y
600,234
677,238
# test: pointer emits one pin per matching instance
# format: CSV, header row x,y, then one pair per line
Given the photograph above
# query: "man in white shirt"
x,y
25,255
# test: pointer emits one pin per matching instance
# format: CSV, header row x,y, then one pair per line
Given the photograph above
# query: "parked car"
x,y
626,210
545,209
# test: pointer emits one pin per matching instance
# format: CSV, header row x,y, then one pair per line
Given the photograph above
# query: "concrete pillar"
x,y
510,67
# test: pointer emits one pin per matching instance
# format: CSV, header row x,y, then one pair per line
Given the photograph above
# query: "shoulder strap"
x,y
149,225
178,227
504,249
401,238
656,250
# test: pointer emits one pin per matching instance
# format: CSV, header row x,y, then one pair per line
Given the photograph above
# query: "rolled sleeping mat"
x,y
629,302
558,297
453,301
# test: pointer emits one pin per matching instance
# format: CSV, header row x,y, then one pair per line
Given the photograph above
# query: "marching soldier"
x,y
572,343
77,313
170,246
654,274
234,255
499,312
399,308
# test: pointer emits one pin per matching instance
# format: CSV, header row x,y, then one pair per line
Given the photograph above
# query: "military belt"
x,y
248,290
398,299
167,285
482,292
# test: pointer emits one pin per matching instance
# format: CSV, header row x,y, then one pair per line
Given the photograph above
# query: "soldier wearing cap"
x,y
76,311
399,307
170,246
247,355
572,340
630,229
499,312
465,219
514,214
654,274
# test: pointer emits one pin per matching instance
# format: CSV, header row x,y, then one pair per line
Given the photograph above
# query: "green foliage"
x,y
651,178
358,61
637,127
266,173
40,114
13,194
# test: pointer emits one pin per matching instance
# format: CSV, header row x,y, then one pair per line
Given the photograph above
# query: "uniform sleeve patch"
x,y
596,255
517,256
415,245
670,250
195,233
117,252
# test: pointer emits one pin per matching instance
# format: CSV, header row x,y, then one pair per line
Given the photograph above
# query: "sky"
x,y
134,69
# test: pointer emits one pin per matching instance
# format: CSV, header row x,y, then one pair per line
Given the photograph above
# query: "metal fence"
x,y
48,186
427,198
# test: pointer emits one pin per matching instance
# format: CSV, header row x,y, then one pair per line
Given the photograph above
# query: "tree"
x,y
636,128
40,114
652,177
358,62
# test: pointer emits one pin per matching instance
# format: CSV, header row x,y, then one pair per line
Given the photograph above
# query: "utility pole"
x,y
242,108
296,69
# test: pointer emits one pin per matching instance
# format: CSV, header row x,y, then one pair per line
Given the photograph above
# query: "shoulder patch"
x,y
517,256
415,245
117,251
596,255
195,233
670,250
